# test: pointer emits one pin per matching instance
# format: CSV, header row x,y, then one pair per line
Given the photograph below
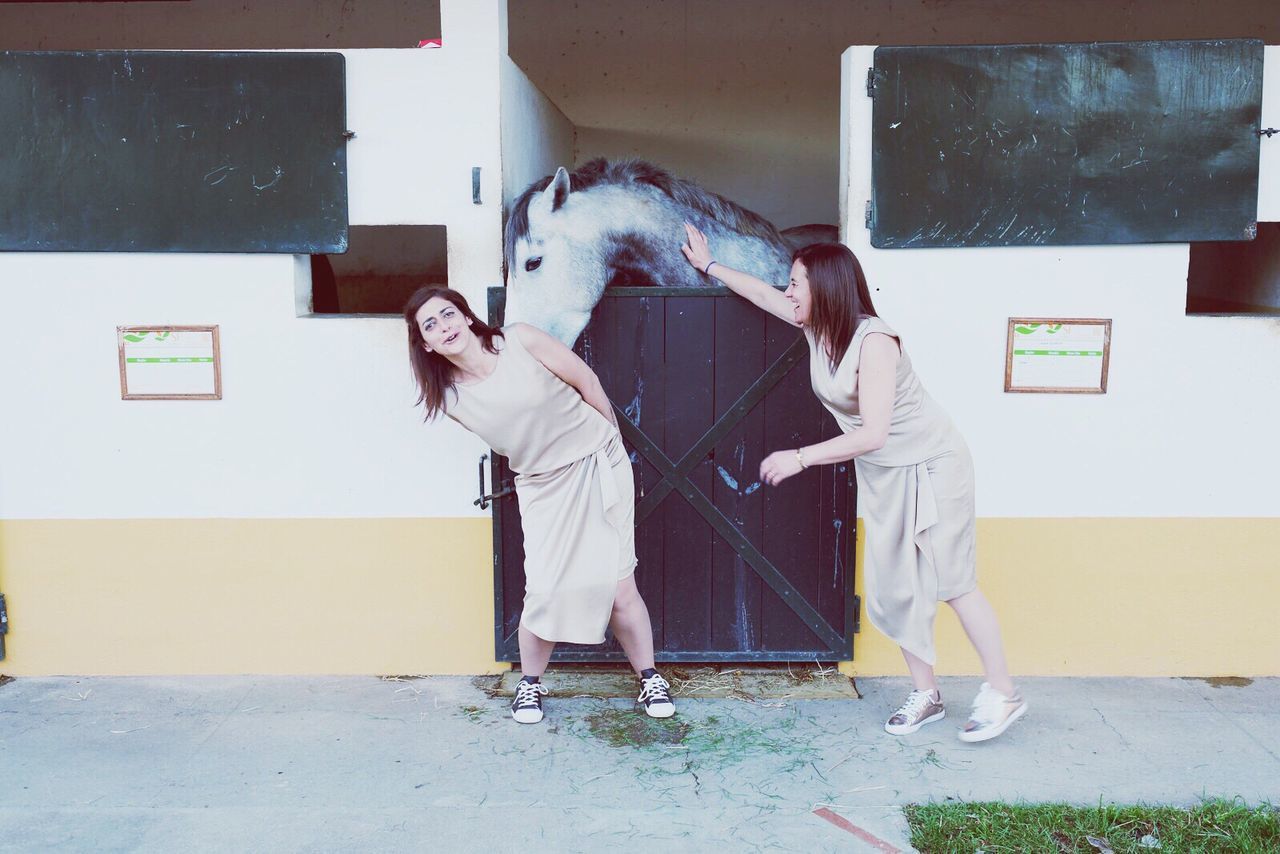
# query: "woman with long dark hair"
x,y
535,402
915,475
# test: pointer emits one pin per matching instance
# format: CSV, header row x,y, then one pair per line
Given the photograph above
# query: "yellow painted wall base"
x,y
202,596
1115,597
1106,597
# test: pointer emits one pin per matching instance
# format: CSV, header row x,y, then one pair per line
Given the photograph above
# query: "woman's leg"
x,y
631,626
980,624
922,678
534,653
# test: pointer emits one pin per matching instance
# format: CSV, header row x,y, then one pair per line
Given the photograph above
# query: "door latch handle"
x,y
484,501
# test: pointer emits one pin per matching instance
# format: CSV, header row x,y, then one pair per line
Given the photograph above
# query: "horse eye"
x,y
532,264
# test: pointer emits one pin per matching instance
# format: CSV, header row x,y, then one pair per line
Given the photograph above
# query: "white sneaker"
x,y
920,708
526,708
655,694
992,714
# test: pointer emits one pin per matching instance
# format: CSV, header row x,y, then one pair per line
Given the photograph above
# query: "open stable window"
x,y
1059,144
150,151
382,267
1238,277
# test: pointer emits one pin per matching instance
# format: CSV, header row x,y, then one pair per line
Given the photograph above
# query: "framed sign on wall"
x,y
169,363
1057,355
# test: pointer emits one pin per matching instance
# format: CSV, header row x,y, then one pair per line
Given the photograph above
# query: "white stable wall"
x,y
1188,424
423,119
536,136
317,416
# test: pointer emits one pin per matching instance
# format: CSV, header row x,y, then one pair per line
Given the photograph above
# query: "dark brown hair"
x,y
839,295
434,372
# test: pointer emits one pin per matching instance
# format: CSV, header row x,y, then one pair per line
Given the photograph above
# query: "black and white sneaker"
x,y
655,695
526,708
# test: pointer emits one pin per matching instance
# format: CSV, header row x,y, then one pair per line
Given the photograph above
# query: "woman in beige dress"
x,y
915,475
536,403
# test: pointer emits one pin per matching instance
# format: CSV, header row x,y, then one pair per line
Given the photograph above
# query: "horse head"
x,y
571,236
555,269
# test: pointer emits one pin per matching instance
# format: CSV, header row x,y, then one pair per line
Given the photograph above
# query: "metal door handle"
x,y
484,500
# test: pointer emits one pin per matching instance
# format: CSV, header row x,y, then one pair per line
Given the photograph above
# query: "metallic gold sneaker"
x,y
992,714
921,707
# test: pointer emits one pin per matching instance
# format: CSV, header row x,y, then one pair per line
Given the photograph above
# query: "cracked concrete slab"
x,y
367,763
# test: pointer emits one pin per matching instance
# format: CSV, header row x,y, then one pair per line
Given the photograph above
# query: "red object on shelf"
x,y
431,43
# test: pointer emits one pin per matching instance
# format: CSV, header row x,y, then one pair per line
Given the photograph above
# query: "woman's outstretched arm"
x,y
760,294
565,364
877,369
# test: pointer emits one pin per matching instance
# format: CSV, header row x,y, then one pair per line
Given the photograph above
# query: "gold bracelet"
x,y
800,458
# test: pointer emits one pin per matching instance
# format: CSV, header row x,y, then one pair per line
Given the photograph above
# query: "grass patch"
x,y
713,742
619,728
991,827
733,740
475,714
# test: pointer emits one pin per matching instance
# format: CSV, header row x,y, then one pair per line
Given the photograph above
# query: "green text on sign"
x,y
1057,352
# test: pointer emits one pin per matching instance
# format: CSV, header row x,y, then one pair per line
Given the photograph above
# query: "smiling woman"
x,y
914,470
536,403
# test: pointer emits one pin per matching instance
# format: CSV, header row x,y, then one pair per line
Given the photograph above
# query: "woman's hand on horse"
x,y
696,251
779,466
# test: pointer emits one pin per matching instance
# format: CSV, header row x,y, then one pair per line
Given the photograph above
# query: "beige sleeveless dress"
x,y
575,487
915,495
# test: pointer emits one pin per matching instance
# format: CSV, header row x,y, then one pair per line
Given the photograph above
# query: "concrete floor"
x,y
369,764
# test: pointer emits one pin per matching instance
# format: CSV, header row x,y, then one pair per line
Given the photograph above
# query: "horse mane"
x,y
601,172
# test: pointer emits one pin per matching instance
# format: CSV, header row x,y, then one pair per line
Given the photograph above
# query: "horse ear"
x,y
557,191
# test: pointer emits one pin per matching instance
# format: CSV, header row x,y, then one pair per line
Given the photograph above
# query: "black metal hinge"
x,y
871,82
857,614
4,624
868,218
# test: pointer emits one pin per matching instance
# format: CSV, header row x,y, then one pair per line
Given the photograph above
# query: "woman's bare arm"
x,y
877,371
759,293
566,365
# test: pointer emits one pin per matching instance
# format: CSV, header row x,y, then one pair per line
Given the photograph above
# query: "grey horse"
x,y
569,236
